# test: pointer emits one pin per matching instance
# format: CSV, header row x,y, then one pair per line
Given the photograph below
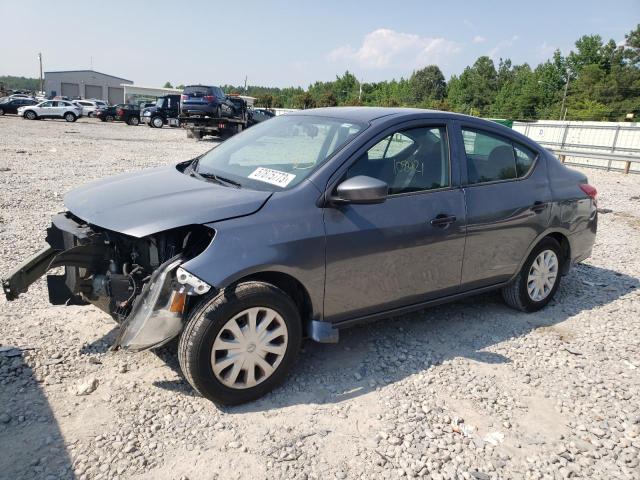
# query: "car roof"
x,y
369,114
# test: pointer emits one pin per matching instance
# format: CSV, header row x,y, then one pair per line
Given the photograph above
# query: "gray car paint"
x,y
295,233
158,199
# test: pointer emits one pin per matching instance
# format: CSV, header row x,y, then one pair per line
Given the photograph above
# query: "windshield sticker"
x,y
274,177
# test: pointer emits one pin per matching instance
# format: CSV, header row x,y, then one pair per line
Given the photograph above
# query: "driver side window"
x,y
408,161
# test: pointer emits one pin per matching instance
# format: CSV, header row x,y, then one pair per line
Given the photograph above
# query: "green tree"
x,y
167,85
427,84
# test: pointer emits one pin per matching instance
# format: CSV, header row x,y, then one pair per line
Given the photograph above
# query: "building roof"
x,y
88,71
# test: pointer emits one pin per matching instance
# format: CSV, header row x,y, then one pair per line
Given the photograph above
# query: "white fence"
x,y
605,145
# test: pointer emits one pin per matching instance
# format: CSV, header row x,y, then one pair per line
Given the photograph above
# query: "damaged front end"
x,y
138,281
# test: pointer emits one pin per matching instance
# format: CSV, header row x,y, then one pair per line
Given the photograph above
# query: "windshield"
x,y
160,102
280,153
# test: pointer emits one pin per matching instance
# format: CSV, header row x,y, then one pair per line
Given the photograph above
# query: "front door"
x,y
406,250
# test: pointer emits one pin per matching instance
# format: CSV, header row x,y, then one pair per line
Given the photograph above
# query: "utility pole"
x,y
359,91
245,84
563,112
41,79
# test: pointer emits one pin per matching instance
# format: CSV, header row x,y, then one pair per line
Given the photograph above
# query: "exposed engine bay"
x,y
138,281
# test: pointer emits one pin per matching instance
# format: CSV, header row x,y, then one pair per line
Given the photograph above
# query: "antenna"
x,y
91,62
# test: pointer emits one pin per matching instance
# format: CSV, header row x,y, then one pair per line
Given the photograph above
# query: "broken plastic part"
x,y
194,286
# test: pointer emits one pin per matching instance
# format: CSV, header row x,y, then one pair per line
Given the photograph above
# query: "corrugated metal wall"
x,y
620,138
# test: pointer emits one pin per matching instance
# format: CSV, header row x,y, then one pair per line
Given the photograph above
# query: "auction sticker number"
x,y
274,177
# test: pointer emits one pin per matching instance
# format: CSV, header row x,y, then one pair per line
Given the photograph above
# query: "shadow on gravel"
x,y
31,443
387,351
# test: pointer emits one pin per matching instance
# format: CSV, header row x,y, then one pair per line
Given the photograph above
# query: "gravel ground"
x,y
469,390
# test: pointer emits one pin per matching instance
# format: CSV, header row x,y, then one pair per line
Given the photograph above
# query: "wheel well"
x,y
565,249
290,285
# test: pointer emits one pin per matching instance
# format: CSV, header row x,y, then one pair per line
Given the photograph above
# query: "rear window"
x,y
198,91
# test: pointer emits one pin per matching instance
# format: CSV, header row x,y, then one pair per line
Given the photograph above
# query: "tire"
x,y
70,117
156,122
208,325
109,118
1,111
30,115
133,121
91,114
218,112
518,295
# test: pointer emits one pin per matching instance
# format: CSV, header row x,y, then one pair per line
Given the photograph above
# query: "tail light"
x,y
120,112
590,190
184,97
209,98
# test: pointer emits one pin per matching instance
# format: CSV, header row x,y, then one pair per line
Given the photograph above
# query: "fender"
x,y
287,237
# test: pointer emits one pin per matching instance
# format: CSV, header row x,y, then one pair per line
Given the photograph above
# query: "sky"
x,y
293,43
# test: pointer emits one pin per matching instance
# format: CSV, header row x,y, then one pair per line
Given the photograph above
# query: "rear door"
x,y
508,203
408,249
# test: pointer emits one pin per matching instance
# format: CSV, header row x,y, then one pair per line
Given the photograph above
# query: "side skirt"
x,y
414,307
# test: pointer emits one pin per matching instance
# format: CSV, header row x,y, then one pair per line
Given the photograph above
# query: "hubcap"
x,y
542,275
249,348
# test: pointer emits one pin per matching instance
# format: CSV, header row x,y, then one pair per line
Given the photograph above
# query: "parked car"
x,y
51,109
165,108
108,114
89,107
309,223
205,101
128,113
257,115
11,105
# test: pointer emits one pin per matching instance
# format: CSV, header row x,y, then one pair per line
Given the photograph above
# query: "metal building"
x,y
85,84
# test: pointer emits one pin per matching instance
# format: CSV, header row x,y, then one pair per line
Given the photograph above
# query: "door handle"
x,y
538,206
442,220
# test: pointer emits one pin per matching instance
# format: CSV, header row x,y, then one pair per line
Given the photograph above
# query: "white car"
x,y
52,109
89,107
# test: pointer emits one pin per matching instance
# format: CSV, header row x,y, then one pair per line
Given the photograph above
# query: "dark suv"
x,y
205,101
11,105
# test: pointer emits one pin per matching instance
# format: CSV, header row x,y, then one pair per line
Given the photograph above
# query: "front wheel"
x,y
30,115
109,118
538,280
156,122
240,344
1,111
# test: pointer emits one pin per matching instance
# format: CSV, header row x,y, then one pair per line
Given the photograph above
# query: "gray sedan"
x,y
309,223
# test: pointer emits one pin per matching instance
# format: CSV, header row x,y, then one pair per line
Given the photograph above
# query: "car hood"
x,y
150,109
142,203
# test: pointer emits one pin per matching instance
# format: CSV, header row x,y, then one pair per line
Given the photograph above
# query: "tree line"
x,y
597,80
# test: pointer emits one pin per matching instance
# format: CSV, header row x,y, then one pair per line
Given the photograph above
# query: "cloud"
x,y
545,50
479,39
504,44
385,48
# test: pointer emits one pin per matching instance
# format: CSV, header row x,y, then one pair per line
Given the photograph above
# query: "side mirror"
x,y
361,190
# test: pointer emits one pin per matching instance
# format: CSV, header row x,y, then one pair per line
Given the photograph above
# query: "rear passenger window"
x,y
524,159
493,158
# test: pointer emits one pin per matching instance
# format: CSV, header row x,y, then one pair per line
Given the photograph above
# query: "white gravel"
x,y
469,390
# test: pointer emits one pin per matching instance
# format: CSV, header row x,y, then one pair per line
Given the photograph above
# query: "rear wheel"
x,y
133,121
30,115
538,280
1,111
240,344
91,114
70,117
156,122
